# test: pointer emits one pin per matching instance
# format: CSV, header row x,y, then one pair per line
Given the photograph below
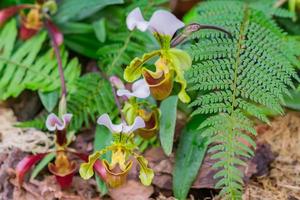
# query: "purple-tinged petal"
x,y
57,35
116,82
135,19
67,118
141,89
25,165
138,123
164,22
53,123
105,121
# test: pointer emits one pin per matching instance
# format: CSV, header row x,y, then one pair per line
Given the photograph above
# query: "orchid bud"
x,y
116,82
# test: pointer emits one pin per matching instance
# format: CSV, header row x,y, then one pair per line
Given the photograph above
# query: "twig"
x,y
279,3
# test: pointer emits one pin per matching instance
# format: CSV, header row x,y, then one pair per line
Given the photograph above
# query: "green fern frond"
x,y
90,97
236,77
28,67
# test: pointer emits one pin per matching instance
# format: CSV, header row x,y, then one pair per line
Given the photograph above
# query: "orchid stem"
x,y
59,61
115,97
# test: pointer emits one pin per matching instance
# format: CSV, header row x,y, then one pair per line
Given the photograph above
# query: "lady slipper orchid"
x,y
32,22
140,89
63,168
122,149
172,63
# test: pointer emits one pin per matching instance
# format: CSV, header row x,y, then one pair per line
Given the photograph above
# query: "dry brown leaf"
x,y
132,190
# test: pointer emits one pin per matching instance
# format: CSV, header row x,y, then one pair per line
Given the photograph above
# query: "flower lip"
x,y
123,127
140,89
55,123
162,22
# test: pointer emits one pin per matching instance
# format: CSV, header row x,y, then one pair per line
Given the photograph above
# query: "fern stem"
x,y
120,52
238,59
59,61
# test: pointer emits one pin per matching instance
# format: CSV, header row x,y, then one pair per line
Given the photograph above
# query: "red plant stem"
x,y
59,61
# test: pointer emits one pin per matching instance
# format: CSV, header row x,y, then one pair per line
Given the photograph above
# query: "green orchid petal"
x,y
134,70
146,173
181,61
86,170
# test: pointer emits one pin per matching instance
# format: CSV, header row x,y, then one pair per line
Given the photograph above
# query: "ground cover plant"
x,y
134,77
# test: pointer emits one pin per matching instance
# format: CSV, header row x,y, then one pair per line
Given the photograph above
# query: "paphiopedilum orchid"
x,y
172,62
63,168
32,22
122,148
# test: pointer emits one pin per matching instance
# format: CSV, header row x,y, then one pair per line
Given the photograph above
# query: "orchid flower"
x,y
63,168
171,63
120,165
32,22
140,89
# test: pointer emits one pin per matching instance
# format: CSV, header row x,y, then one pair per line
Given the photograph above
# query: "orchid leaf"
x,y
49,99
181,61
103,138
189,156
86,170
146,173
25,165
134,70
167,123
76,10
41,165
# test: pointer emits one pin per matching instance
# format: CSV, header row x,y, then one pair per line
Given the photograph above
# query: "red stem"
x,y
58,57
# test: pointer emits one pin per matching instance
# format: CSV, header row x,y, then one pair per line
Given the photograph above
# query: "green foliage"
x,y
103,138
122,45
88,98
189,156
167,123
235,76
27,66
77,9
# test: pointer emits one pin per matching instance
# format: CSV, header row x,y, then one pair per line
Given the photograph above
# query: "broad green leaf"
x,y
78,9
41,165
189,156
134,70
100,31
167,123
76,28
146,173
85,44
49,99
103,138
